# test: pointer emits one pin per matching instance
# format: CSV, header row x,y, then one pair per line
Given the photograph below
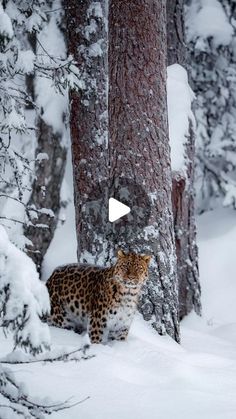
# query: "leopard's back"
x,y
74,281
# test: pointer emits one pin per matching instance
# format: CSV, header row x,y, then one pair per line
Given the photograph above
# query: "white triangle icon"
x,y
117,210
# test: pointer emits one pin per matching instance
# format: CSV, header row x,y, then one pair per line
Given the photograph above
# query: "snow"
x,y
95,49
218,275
42,156
63,248
14,120
53,103
150,375
90,29
25,62
95,9
27,297
179,100
5,24
207,19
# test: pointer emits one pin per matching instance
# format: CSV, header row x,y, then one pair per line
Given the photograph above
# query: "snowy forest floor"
x,y
151,376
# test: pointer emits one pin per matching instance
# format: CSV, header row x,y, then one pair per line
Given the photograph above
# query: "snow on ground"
x,y
151,376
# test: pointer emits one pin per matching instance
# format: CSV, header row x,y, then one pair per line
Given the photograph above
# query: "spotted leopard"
x,y
99,300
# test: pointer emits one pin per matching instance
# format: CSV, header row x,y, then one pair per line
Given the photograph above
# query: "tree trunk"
x,y
46,190
139,151
176,49
183,183
86,23
134,165
46,186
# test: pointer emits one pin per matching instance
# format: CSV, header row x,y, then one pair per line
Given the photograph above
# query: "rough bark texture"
x,y
183,184
139,151
176,51
134,165
46,190
185,235
46,187
89,125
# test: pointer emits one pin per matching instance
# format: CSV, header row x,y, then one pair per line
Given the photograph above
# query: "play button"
x,y
113,210
117,210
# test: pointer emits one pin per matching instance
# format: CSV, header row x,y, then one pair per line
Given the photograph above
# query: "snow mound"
x,y
24,298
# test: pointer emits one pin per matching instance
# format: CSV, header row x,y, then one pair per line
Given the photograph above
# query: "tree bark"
x,y
86,23
183,184
46,190
176,49
133,166
139,149
48,177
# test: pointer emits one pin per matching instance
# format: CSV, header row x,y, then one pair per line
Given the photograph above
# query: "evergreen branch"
x,y
222,178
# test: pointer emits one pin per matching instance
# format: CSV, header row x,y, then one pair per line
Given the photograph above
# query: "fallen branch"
x,y
62,357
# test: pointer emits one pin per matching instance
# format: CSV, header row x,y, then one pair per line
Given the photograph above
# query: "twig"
x,y
11,219
62,357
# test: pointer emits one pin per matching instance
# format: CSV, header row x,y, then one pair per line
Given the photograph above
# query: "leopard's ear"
x,y
120,254
147,259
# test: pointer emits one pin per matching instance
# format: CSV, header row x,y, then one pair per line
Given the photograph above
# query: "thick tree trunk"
x,y
86,23
183,183
134,165
139,153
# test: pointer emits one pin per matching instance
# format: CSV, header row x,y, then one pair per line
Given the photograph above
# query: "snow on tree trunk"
x,y
46,189
139,149
211,32
86,23
51,149
182,139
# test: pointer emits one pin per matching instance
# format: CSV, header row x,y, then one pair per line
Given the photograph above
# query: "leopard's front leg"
x,y
95,330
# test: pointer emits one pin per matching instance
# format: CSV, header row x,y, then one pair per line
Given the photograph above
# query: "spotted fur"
x,y
99,300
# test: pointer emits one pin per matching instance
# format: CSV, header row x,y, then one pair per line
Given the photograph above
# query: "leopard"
x,y
100,301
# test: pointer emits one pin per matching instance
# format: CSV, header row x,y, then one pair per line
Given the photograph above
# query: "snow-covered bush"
x,y
24,298
23,302
211,34
15,401
25,55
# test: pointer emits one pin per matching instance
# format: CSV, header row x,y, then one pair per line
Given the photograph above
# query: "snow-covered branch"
x,y
14,398
24,299
18,357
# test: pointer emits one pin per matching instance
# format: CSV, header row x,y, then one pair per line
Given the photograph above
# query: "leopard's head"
x,y
131,269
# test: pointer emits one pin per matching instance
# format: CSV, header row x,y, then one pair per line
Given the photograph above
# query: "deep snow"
x,y
151,376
